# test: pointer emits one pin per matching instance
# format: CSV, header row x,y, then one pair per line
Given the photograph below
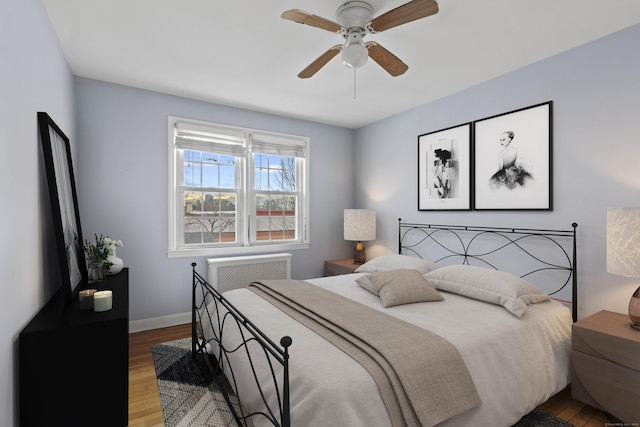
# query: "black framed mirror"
x,y
64,206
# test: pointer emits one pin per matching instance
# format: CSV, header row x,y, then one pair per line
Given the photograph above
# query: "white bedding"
x,y
515,363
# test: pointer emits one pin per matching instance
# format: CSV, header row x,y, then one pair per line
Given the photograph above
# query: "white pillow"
x,y
396,262
487,284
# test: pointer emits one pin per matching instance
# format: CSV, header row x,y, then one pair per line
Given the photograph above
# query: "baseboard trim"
x,y
159,322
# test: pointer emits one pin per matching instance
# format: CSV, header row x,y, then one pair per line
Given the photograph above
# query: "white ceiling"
x,y
241,53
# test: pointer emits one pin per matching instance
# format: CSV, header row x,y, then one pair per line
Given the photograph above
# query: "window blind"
x,y
273,144
190,136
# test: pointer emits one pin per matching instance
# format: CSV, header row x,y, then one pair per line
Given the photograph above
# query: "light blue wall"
x,y
34,76
595,91
122,185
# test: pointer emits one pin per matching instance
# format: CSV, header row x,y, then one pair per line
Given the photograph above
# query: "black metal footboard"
x,y
215,315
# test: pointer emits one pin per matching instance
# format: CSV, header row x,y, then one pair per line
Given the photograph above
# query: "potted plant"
x,y
98,262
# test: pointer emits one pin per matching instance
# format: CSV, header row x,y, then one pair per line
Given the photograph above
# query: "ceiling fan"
x,y
355,20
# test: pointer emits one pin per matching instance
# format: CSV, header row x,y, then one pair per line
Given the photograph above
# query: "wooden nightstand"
x,y
335,267
605,352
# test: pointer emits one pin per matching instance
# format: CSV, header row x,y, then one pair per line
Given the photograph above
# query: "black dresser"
x,y
74,363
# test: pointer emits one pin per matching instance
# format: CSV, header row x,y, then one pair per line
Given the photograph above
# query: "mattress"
x,y
516,363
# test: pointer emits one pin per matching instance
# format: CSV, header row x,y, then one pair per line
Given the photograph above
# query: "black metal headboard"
x,y
546,258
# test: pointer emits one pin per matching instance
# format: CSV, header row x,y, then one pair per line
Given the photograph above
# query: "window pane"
x,y
209,217
209,170
262,179
192,166
210,175
276,180
261,161
261,172
227,172
275,173
288,174
275,162
276,217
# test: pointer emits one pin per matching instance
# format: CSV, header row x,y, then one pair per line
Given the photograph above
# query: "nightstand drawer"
x,y
620,345
606,385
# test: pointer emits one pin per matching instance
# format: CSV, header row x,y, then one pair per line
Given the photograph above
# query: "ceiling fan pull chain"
x,y
354,83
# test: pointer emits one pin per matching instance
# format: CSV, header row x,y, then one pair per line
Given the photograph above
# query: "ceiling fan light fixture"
x,y
354,52
354,55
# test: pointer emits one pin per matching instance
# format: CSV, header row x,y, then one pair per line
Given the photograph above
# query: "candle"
x,y
102,300
86,299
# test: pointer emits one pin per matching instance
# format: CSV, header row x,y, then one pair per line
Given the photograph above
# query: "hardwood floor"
x,y
144,400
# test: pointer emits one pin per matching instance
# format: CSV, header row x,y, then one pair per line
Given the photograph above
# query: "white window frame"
x,y
245,170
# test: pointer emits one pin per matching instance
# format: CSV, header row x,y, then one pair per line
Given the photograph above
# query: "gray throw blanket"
x,y
422,378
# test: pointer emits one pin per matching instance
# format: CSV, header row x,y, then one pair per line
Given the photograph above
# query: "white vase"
x,y
116,264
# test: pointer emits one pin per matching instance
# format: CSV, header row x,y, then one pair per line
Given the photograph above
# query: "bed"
x,y
491,333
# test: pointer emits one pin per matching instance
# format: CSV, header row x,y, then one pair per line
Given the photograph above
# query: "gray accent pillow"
x,y
404,286
489,285
395,262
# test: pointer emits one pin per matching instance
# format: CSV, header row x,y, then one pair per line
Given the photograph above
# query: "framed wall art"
x,y
513,160
64,206
444,169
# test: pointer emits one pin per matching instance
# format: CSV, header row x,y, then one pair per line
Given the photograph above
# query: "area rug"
x,y
191,398
540,418
188,393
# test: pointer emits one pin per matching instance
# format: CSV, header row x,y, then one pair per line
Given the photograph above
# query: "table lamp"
x,y
623,251
359,225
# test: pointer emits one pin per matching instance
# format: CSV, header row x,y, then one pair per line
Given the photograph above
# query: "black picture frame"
x,y
444,169
513,167
64,206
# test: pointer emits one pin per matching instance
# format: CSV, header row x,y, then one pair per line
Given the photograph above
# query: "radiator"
x,y
226,274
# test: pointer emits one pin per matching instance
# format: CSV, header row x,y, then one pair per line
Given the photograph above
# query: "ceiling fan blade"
x,y
416,9
386,59
302,17
320,62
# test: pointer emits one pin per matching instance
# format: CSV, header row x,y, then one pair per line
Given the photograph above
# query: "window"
x,y
232,190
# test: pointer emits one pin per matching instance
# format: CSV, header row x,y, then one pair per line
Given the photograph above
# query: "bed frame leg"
x,y
574,284
286,411
194,334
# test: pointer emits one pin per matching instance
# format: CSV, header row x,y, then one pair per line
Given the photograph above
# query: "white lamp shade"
x,y
623,241
359,225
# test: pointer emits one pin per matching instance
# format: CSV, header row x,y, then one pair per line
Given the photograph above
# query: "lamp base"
x,y
634,309
359,254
